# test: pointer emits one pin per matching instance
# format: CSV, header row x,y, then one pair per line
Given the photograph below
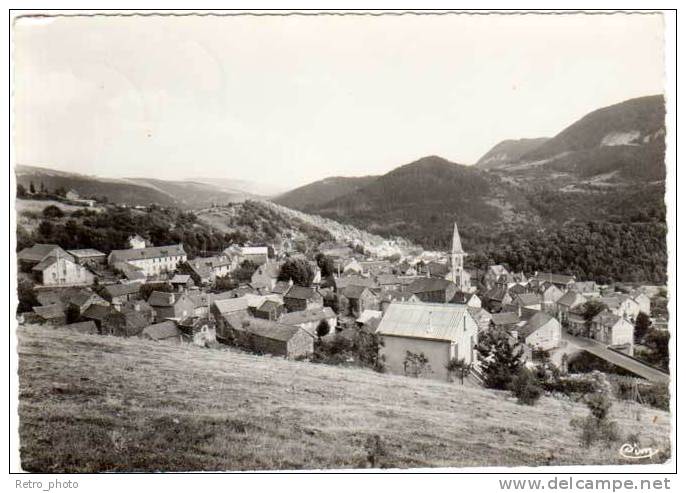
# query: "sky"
x,y
288,100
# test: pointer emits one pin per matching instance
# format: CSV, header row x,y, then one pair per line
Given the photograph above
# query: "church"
x,y
457,274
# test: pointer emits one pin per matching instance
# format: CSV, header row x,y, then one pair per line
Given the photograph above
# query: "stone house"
x,y
359,299
152,261
310,320
302,298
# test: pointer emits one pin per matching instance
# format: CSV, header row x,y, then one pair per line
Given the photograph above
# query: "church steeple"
x,y
457,255
457,244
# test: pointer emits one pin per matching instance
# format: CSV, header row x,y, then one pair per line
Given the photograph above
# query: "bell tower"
x,y
457,255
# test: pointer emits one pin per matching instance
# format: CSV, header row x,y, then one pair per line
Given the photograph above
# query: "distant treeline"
x,y
109,229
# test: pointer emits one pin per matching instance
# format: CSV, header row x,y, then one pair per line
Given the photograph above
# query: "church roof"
x,y
457,243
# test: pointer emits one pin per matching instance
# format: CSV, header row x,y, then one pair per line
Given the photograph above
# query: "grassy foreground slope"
x,y
94,403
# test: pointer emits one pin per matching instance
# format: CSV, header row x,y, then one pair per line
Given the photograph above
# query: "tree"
x,y
325,264
26,295
416,365
297,270
21,191
641,326
45,229
245,271
658,343
457,367
525,388
500,360
73,314
32,188
323,328
52,211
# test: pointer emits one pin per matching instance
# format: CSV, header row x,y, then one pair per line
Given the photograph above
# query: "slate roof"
x,y
533,324
442,321
146,253
497,293
300,293
343,282
82,327
180,279
396,296
268,306
428,284
86,253
269,330
554,278
45,263
281,287
160,298
116,290
231,305
305,316
505,318
39,251
527,299
606,318
49,312
461,298
162,330
387,279
570,298
97,312
367,315
354,292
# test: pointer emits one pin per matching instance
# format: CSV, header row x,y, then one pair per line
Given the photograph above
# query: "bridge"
x,y
616,358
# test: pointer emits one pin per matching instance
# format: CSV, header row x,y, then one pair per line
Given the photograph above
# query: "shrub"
x,y
52,211
416,365
597,427
525,388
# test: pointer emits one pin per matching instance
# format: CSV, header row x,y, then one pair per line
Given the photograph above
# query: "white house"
x,y
643,301
542,331
612,329
61,270
151,261
439,331
136,241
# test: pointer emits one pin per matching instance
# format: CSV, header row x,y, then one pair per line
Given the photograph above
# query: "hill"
x,y
508,151
420,199
130,191
96,403
622,143
320,192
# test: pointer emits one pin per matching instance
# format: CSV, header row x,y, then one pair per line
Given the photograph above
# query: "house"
x,y
433,290
542,332
389,297
269,310
359,299
171,305
201,302
88,327
388,282
550,294
136,242
221,309
81,299
576,322
141,307
369,318
124,323
350,266
439,331
481,317
88,256
204,270
302,298
375,267
61,270
266,337
496,298
132,273
589,289
611,329
281,287
265,276
341,283
201,330
182,282
33,255
72,195
318,322
621,305
504,321
493,273
118,294
527,300
258,255
562,281
163,331
97,313
469,299
568,301
152,261
52,314
642,300
437,269
517,288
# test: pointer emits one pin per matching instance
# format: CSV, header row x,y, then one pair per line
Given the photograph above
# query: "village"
x,y
427,311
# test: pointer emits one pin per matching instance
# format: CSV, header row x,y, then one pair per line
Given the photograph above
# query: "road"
x,y
615,358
